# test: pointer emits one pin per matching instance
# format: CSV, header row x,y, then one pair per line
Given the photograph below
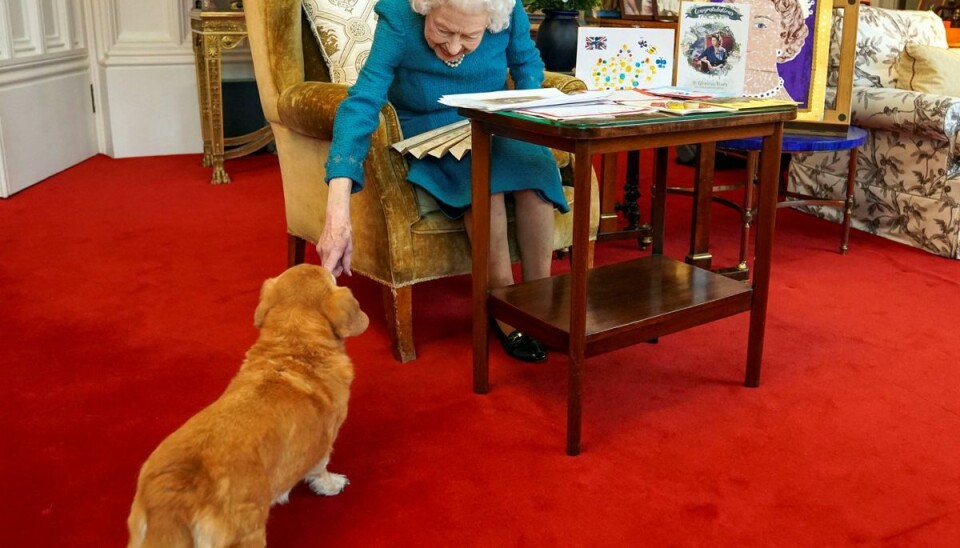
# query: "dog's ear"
x,y
266,302
343,311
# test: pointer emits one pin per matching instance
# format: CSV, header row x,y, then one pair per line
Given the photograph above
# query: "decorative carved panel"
x,y
38,28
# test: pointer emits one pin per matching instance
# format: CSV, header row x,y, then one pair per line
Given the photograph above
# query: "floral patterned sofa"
x,y
908,171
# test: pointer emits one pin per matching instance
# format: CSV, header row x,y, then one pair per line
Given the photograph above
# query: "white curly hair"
x,y
498,10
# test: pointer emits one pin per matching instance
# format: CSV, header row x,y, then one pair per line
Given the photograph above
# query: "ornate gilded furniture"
x,y
395,243
214,32
908,172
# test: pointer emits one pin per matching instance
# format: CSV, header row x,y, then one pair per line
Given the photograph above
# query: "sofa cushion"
x,y
344,29
881,35
929,69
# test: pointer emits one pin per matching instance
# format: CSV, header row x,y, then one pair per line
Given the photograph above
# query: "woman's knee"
x,y
528,200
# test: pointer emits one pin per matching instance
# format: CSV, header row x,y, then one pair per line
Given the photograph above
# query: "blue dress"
x,y
403,70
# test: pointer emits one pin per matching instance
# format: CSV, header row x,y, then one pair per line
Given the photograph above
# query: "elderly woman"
x,y
423,49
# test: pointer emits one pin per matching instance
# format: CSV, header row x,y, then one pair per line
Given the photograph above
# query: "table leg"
x,y
702,199
211,45
766,223
659,199
480,146
848,205
608,196
746,214
630,207
631,191
578,298
203,97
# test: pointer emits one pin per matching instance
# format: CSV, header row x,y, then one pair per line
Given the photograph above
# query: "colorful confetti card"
x,y
625,58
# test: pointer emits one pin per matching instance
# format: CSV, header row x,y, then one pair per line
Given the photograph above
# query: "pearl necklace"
x,y
456,62
769,93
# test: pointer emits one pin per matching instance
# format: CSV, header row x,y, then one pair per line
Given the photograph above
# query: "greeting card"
x,y
624,58
712,49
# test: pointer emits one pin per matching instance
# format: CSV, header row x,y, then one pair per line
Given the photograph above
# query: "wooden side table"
x,y
636,300
214,32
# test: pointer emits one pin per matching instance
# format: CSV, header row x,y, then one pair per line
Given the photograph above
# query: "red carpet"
x,y
127,290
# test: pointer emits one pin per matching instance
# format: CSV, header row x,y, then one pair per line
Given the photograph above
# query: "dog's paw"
x,y
328,484
282,498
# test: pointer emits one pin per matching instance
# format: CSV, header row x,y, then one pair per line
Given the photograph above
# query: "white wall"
x,y
147,85
47,122
138,58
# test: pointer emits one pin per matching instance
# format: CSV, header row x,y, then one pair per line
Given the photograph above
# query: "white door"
x,y
47,120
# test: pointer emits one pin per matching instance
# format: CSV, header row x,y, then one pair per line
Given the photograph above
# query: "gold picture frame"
x,y
812,107
839,113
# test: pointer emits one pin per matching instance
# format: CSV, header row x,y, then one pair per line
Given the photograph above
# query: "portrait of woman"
x,y
713,55
778,36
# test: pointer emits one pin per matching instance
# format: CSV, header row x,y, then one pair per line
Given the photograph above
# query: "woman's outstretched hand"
x,y
335,247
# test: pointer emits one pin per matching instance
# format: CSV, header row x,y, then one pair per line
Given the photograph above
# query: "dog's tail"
x,y
159,531
202,529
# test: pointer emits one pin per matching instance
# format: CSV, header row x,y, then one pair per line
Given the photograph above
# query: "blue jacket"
x,y
403,70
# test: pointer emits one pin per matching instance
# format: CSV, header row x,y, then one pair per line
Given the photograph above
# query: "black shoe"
x,y
519,346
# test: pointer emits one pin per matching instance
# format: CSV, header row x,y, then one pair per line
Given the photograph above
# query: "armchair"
x,y
908,171
397,243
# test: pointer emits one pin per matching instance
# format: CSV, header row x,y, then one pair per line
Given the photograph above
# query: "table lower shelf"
x,y
627,303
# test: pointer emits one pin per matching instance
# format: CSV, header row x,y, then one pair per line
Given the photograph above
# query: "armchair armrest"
x,y
563,82
934,116
309,109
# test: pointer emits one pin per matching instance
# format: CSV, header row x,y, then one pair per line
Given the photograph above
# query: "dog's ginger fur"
x,y
211,483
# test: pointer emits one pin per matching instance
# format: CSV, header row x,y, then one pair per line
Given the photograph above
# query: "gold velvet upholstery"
x,y
394,243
